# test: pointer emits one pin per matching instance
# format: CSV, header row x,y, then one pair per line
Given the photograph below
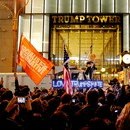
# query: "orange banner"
x,y
33,63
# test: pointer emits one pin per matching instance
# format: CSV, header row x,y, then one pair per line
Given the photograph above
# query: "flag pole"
x,y
66,73
18,53
15,15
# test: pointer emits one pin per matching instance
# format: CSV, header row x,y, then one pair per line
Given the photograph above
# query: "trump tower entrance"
x,y
95,37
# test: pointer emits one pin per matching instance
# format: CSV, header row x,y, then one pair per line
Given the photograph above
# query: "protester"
x,y
123,120
90,69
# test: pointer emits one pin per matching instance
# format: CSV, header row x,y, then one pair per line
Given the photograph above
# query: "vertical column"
x,y
125,42
126,32
15,29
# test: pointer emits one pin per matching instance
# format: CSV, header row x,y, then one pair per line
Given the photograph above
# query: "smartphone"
x,y
116,111
21,100
73,100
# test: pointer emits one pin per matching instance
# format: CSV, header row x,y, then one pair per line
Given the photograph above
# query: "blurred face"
x,y
127,88
88,65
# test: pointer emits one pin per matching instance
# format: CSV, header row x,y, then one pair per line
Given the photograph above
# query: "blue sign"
x,y
59,83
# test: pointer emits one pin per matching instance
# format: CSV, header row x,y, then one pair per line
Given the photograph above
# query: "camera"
x,y
21,100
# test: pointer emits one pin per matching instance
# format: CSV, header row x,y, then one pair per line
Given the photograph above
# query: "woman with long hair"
x,y
123,120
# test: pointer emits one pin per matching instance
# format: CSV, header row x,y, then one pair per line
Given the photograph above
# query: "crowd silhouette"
x,y
54,109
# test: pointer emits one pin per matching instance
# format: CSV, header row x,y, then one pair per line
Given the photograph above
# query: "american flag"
x,y
66,74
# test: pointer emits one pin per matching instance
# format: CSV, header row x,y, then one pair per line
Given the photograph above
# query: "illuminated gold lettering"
x,y
82,18
73,20
117,19
89,18
60,19
104,19
95,19
66,19
111,19
76,19
86,18
54,19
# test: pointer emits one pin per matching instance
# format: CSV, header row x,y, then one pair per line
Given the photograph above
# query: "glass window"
x,y
25,26
46,34
78,6
74,45
129,6
64,6
126,32
85,48
107,6
93,6
50,6
37,32
28,6
37,6
121,6
45,55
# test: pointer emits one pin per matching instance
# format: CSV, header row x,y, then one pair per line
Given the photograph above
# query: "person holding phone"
x,y
9,118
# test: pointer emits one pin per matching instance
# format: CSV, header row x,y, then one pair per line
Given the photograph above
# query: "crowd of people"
x,y
43,109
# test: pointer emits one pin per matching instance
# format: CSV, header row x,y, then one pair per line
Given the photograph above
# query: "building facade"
x,y
49,24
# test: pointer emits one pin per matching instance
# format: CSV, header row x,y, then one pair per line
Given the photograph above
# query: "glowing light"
x,y
103,69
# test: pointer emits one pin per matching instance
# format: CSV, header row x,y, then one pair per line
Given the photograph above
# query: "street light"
x,y
103,69
15,16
